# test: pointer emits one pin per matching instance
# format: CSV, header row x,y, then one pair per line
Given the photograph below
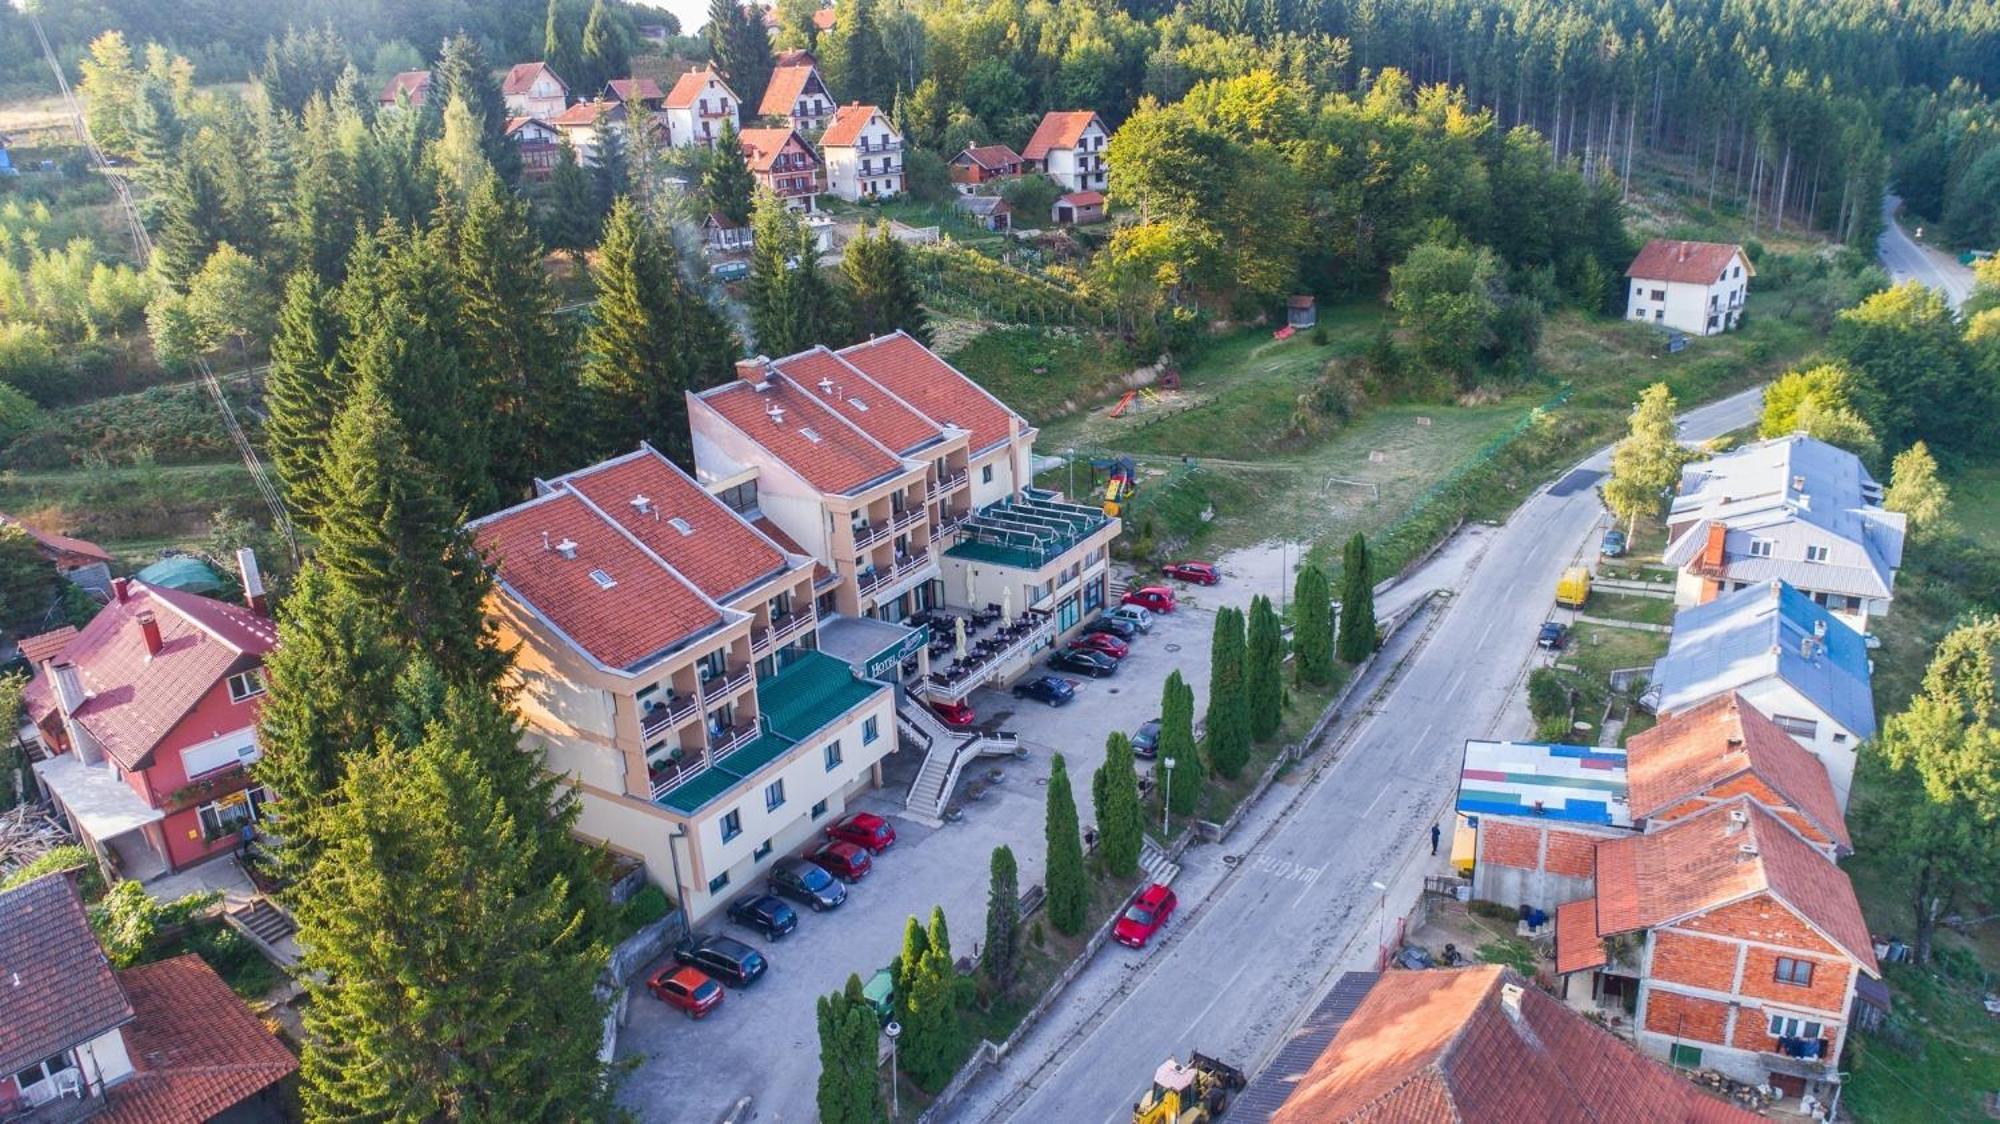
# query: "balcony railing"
x,y
724,687
782,629
949,482
870,580
952,524
869,532
667,716
987,656
908,518
673,774
789,187
910,565
722,744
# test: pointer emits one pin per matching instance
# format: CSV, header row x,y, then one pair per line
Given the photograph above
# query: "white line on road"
x,y
1489,631
1314,877
1218,998
1372,803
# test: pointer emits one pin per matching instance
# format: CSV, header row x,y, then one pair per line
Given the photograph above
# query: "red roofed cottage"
x,y
1068,147
1692,287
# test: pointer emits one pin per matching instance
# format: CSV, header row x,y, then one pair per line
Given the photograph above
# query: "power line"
x,y
142,243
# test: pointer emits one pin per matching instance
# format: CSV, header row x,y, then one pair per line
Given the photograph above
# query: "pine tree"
x,y
462,73
1115,788
319,228
188,216
1264,670
571,219
562,46
1177,745
1312,626
158,133
1068,885
605,55
792,307
881,294
1227,724
1357,601
726,181
611,176
1000,957
302,392
854,59
740,45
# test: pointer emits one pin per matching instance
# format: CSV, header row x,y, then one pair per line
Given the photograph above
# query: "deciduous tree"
x,y
1446,299
1647,463
1916,491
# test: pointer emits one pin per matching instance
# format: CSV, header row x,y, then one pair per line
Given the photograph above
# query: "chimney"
x,y
120,589
1819,628
1806,647
253,582
1510,1000
642,503
752,371
567,548
1799,483
70,697
149,627
1745,851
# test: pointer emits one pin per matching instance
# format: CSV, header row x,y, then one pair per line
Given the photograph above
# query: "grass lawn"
x,y
1045,373
1975,502
1631,607
1303,706
117,505
1597,650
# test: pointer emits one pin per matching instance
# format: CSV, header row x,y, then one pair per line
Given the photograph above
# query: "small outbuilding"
x,y
1078,208
990,211
1301,312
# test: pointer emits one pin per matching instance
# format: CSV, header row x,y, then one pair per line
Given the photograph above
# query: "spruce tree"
x,y
881,294
319,227
611,175
1264,669
1067,883
463,73
726,182
740,45
188,217
1357,602
1119,814
1227,725
571,218
1177,745
1312,626
604,53
1000,957
302,392
792,306
562,45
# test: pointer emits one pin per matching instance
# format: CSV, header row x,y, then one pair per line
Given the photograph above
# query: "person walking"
x,y
1436,834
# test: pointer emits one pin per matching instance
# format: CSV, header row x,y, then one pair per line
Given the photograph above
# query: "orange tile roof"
x,y
720,552
1059,129
916,374
59,544
414,83
585,113
762,146
634,89
196,1049
1695,263
648,609
847,123
46,645
808,436
1722,739
992,155
521,77
1084,198
688,87
1442,1047
787,83
874,411
1700,864
1578,945
823,19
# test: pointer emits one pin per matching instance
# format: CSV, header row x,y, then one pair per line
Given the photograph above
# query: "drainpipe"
x,y
680,892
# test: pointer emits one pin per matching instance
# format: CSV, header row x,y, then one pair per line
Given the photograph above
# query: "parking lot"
x,y
763,1042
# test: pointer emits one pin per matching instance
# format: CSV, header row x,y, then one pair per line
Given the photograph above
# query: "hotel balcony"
x,y
907,518
666,716
946,484
724,687
782,629
866,533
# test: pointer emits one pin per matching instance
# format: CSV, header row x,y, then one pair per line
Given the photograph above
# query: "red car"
x,y
1102,642
1145,916
1152,598
845,861
955,714
1199,573
688,989
864,829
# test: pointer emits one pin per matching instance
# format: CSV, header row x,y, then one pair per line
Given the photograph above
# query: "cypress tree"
x,y
937,935
1000,957
1228,729
1312,626
462,72
1115,787
1068,885
302,392
1177,744
931,1046
881,294
849,1090
1263,673
903,971
726,181
1357,602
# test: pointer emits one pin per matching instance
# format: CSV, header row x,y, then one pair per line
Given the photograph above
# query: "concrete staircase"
x,y
268,926
946,753
1155,863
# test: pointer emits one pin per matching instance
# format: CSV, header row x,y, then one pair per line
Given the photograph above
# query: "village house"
x,y
863,154
797,94
412,87
634,93
1733,943
1538,812
1068,147
1784,655
698,107
723,235
1693,287
1793,508
539,144
147,722
532,89
1476,1045
160,1043
669,667
977,165
83,562
1077,208
587,125
781,161
991,211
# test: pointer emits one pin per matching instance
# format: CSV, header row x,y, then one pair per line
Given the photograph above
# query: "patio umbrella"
x,y
958,630
971,589
1007,607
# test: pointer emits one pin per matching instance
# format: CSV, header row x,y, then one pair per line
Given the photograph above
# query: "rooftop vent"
x,y
810,434
1738,820
1799,483
566,548
642,503
603,580
681,525
858,404
1819,628
1745,851
777,415
826,387
1510,1000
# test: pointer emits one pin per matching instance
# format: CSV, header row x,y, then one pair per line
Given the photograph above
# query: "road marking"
x,y
1309,885
1372,803
1488,632
1218,998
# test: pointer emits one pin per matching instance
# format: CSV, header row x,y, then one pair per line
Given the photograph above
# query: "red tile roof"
x,y
823,19
874,411
56,544
762,146
135,699
647,610
688,87
1084,199
992,155
634,89
1442,1046
415,83
47,645
847,123
787,83
809,437
1059,129
1700,864
60,991
720,552
933,387
196,1049
1578,944
1695,263
584,113
1721,740
521,77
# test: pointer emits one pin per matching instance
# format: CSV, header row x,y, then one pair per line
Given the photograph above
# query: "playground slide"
x,y
1119,410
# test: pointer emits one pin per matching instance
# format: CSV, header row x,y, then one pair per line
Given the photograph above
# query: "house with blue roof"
x,y
1792,659
1538,811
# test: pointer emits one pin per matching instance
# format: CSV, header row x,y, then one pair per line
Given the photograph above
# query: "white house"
x,y
1793,508
797,93
1692,287
863,154
1068,147
1793,661
531,89
698,107
586,124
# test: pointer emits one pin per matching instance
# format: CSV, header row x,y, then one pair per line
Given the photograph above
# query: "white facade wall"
x,y
1081,168
545,98
880,148
1835,745
701,122
1688,590
1687,307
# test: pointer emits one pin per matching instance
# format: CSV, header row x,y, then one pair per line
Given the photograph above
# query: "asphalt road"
x,y
1271,918
1907,261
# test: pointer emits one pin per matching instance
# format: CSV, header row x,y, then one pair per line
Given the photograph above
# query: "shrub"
x,y
1480,907
643,908
89,880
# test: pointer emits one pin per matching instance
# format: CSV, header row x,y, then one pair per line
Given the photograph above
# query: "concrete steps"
x,y
1156,865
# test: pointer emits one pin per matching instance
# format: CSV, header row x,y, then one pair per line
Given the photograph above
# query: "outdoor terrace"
x,y
1027,531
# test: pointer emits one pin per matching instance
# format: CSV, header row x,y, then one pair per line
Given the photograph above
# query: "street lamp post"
x,y
1381,926
1166,796
894,1030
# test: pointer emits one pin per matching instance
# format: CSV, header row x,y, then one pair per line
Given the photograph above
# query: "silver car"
x,y
1135,615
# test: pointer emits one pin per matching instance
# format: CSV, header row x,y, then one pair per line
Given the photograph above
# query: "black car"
x,y
764,913
1146,742
1116,626
1552,636
1097,665
808,884
725,958
1051,689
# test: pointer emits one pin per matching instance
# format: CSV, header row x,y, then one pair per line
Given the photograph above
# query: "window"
x,y
1659,314
819,809
1659,294
986,474
1760,548
1839,739
732,824
832,756
1686,1057
227,816
1795,972
603,580
1797,727
763,849
871,728
246,685
774,795
1816,554
718,883
1791,1026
